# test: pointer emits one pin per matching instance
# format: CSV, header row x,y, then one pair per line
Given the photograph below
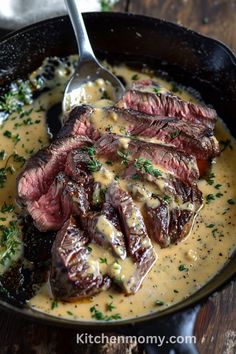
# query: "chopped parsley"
x,y
99,315
9,242
218,186
70,313
183,268
15,138
166,198
54,304
210,178
124,156
156,90
94,165
231,201
219,195
110,306
135,176
2,155
109,162
18,158
210,198
7,208
109,128
19,95
210,226
175,134
135,77
89,249
147,166
3,175
159,303
103,260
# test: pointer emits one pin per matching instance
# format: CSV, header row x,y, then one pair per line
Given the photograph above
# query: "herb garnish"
x,y
93,165
159,303
210,178
103,260
175,134
20,94
156,90
9,242
147,166
183,268
54,304
135,77
3,175
98,315
110,306
7,208
124,156
231,201
209,198
2,155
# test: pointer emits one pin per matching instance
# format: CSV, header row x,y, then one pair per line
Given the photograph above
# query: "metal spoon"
x,y
89,69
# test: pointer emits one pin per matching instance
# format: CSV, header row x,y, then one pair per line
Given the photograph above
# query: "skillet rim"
x,y
203,293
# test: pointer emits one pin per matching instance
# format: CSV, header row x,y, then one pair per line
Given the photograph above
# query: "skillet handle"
x,y
178,327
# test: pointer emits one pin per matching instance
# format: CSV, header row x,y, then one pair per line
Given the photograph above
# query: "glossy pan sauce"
x,y
180,269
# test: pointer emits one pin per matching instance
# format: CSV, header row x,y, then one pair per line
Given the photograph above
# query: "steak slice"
x,y
169,106
78,123
52,209
74,274
130,273
170,211
194,139
104,229
175,162
41,168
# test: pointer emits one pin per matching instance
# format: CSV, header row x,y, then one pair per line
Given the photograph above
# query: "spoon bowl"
x,y
89,69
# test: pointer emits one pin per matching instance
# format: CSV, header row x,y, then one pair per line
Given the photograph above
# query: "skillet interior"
x,y
189,58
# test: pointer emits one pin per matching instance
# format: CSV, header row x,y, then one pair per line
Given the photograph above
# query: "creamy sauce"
x,y
179,270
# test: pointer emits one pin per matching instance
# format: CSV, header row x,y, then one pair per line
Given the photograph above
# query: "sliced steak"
x,y
104,229
78,123
52,209
130,273
170,211
41,168
169,106
194,139
73,273
175,162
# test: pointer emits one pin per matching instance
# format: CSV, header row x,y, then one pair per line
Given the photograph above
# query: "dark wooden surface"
x,y
216,323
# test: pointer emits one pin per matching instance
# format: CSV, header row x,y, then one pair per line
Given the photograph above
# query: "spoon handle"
x,y
85,50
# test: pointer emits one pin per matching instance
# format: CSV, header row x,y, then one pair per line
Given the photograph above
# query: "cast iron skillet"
x,y
189,58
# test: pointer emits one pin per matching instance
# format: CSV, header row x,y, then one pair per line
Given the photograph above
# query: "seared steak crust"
x,y
73,274
169,106
175,162
139,246
194,139
78,123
